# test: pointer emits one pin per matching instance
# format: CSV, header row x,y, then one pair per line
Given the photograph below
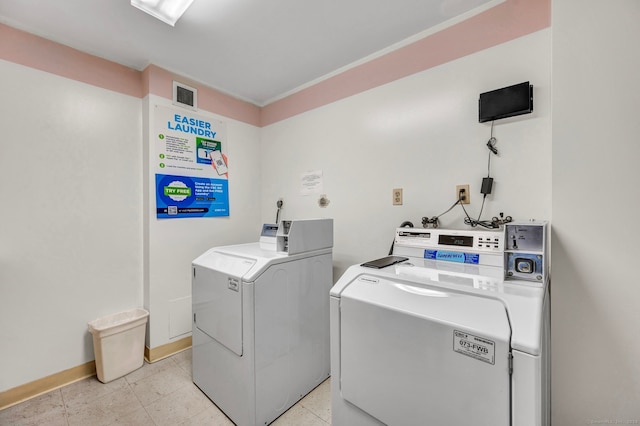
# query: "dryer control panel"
x,y
300,236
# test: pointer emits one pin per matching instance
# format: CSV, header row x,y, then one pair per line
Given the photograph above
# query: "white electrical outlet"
x,y
397,196
466,196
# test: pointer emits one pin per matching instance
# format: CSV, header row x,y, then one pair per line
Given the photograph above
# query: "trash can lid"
x,y
114,320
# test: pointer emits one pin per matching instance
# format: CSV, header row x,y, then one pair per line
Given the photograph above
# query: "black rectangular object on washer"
x,y
506,102
384,262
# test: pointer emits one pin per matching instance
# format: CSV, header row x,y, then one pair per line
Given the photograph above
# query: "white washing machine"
x,y
457,333
261,320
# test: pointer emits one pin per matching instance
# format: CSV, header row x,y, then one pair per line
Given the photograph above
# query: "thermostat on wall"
x,y
185,96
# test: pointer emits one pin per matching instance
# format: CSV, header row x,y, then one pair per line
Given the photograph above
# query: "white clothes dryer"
x,y
447,336
261,320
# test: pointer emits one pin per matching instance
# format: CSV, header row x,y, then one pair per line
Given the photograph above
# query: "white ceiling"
x,y
255,50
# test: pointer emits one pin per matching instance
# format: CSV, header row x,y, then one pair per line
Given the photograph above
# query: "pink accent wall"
x,y
504,22
36,52
507,21
160,83
26,49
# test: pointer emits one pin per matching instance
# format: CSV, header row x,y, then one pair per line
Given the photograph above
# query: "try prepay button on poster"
x,y
182,196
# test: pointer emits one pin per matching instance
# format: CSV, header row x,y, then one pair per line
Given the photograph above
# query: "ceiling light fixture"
x,y
168,11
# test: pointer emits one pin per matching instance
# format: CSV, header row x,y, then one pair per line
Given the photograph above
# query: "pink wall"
x,y
507,21
160,82
36,52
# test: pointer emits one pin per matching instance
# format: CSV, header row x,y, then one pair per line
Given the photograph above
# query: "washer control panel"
x,y
465,240
520,249
526,251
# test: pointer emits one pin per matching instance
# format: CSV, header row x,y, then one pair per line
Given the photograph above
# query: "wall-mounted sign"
x,y
191,165
311,182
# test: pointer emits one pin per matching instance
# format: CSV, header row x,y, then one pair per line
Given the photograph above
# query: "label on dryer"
x,y
474,346
452,256
233,284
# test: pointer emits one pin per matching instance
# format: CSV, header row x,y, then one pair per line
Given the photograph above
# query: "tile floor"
x,y
161,393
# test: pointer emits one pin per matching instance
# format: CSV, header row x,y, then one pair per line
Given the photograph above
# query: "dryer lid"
x,y
227,264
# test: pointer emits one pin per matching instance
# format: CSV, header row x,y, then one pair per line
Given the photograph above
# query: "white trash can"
x,y
118,343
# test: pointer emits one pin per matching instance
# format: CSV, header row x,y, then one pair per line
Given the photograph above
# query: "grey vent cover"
x,y
185,96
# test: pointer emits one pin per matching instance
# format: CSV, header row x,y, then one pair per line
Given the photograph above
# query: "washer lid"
x,y
524,302
438,304
415,355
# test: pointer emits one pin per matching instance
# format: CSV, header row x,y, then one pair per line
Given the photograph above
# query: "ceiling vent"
x,y
185,96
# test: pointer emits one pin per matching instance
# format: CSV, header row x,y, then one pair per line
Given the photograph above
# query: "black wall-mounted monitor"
x,y
506,102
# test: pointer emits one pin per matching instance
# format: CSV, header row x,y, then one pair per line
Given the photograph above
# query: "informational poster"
x,y
190,165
